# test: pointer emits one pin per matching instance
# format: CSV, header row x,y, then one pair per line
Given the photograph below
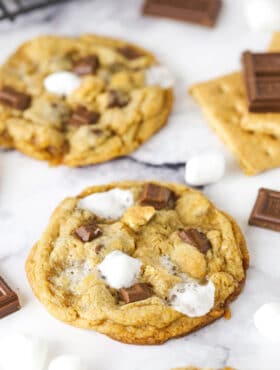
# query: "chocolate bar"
x,y
9,301
203,12
87,233
82,116
87,65
266,212
262,80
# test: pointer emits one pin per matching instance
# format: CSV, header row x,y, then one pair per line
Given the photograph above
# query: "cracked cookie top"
x,y
140,262
82,100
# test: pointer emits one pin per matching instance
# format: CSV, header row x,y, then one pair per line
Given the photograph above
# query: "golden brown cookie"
x,y
139,262
117,98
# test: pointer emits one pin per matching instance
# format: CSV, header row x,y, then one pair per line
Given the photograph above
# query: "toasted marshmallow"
x,y
62,83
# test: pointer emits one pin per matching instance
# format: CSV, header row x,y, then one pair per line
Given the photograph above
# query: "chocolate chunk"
x,y
86,66
196,238
9,301
262,80
14,98
203,12
98,248
266,211
157,196
129,52
117,99
82,116
137,292
88,232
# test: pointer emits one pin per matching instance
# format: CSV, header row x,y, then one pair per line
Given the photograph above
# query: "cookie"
x,y
80,101
139,262
267,123
223,100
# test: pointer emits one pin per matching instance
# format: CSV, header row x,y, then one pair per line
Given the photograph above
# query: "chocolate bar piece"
x,y
82,116
203,12
266,211
129,53
157,196
117,99
262,80
137,292
196,238
88,232
14,99
86,66
9,301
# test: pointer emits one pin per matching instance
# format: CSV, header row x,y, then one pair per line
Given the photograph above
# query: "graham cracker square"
x,y
223,100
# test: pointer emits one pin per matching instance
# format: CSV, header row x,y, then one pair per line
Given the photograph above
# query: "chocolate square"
x,y
262,80
137,292
266,211
196,238
157,196
203,12
9,302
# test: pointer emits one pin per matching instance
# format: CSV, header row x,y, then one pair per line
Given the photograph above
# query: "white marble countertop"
x,y
29,190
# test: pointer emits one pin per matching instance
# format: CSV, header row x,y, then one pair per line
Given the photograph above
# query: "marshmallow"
x,y
111,204
66,362
193,299
267,320
119,270
205,168
62,83
262,15
159,76
19,351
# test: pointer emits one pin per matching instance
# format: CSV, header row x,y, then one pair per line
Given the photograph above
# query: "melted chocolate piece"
x,y
86,66
157,196
137,292
82,116
14,99
87,233
196,238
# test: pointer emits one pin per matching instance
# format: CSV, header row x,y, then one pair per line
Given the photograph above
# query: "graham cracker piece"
x,y
223,101
268,123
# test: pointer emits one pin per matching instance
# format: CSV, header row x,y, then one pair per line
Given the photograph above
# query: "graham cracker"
x,y
268,123
224,103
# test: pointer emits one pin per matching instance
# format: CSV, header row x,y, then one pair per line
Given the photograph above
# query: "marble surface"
x,y
29,190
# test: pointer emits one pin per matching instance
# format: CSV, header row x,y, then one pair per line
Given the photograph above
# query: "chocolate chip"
x,y
82,116
137,292
129,52
97,132
14,99
117,99
195,238
88,232
86,66
157,196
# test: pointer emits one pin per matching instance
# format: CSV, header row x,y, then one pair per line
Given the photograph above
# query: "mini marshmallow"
x,y
267,320
193,299
262,15
62,83
205,168
111,204
159,76
66,362
119,270
24,352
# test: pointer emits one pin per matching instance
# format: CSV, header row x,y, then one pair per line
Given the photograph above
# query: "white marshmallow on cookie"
x,y
159,76
262,15
119,270
267,320
62,83
67,362
24,352
193,299
110,204
205,168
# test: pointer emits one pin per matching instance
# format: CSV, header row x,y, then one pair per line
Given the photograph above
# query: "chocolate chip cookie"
x,y
84,100
139,262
